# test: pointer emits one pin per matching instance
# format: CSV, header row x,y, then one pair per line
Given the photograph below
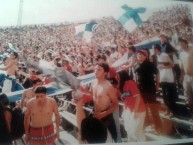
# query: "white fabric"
x,y
166,74
117,124
123,60
134,126
185,58
7,85
110,61
188,88
109,138
114,55
45,64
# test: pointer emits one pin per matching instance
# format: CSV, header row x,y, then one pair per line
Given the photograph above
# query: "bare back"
x,y
11,70
27,95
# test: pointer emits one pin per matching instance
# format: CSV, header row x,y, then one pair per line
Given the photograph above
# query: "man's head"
x,y
40,93
131,49
101,58
156,48
37,82
93,130
163,38
107,52
101,70
183,43
6,61
14,55
4,99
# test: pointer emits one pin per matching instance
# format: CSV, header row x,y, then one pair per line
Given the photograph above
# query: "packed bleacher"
x,y
57,47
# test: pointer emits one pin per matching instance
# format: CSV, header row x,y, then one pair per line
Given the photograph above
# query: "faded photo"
x,y
96,72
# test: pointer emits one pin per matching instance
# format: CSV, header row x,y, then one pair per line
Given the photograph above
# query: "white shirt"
x,y
166,74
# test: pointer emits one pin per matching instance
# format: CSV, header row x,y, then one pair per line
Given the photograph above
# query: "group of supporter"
x,y
134,83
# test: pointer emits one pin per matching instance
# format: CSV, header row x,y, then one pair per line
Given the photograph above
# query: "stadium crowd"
x,y
136,83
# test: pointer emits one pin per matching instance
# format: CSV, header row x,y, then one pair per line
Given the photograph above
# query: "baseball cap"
x,y
144,52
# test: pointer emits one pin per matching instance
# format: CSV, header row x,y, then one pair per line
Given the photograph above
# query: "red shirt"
x,y
130,92
67,67
112,73
47,80
33,76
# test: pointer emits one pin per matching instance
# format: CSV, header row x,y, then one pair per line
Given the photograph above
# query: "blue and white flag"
x,y
4,55
121,61
132,17
85,30
147,44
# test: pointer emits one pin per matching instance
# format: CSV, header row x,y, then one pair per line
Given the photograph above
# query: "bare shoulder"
x,y
51,100
31,102
94,83
108,85
26,91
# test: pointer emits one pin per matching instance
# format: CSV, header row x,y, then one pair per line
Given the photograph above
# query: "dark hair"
x,y
57,59
123,77
132,48
93,130
91,53
38,72
15,54
182,40
157,46
98,57
113,81
4,59
103,57
35,81
4,132
99,51
4,99
42,90
105,66
107,53
112,49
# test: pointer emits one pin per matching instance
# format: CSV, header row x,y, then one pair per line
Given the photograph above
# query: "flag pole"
x,y
20,13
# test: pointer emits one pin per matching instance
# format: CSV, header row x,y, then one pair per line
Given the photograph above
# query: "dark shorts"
x,y
149,97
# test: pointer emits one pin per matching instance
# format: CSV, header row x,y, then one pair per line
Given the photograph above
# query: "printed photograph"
x,y
96,72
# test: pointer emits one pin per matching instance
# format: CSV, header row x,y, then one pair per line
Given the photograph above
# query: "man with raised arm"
x,y
9,82
104,98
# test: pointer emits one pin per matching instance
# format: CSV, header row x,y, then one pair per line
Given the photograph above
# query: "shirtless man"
x,y
29,93
9,81
104,98
39,127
